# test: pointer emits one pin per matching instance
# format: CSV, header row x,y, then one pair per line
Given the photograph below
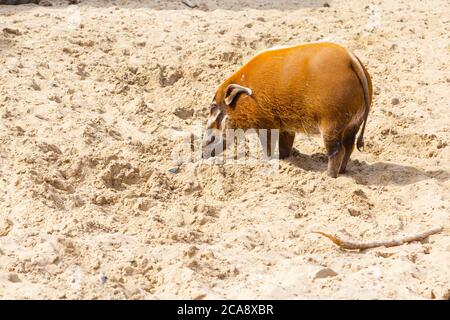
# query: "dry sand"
x,y
91,95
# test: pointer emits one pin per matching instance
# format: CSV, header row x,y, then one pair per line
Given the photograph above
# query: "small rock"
x,y
191,251
202,220
174,169
325,273
129,270
103,279
34,85
13,278
192,264
354,212
55,98
183,113
6,228
326,5
12,31
395,101
300,214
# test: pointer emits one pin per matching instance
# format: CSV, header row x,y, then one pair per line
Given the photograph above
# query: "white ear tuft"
x,y
233,91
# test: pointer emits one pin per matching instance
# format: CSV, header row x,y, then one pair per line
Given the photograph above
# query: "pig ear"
x,y
233,91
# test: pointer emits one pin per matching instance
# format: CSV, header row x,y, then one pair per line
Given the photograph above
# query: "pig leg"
x,y
285,144
267,143
335,152
348,141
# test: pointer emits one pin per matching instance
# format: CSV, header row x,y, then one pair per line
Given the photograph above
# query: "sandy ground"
x,y
90,96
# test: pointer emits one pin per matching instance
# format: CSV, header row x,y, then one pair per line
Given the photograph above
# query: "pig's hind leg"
x,y
335,151
348,142
285,144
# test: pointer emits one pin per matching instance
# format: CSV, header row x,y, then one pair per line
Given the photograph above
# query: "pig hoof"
x,y
332,174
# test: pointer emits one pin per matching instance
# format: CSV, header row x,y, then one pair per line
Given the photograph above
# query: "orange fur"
x,y
307,88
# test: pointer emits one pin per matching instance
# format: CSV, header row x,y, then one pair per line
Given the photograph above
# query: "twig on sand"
x,y
356,245
189,4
